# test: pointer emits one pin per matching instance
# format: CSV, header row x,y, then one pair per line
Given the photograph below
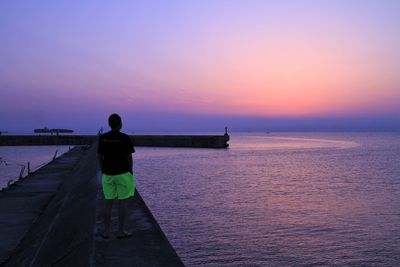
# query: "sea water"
x,y
14,159
280,199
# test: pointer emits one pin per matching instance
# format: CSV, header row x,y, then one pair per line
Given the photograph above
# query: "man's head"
x,y
115,122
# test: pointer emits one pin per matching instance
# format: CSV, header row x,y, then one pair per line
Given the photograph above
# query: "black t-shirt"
x,y
114,146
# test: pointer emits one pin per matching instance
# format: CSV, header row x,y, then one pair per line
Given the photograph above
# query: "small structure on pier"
x,y
51,131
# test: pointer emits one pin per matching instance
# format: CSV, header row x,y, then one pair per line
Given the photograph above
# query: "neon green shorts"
x,y
121,186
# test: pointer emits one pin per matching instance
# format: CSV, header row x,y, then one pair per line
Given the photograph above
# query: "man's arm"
x,y
100,159
100,153
130,162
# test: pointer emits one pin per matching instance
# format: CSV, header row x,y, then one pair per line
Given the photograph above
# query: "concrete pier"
x,y
51,218
204,141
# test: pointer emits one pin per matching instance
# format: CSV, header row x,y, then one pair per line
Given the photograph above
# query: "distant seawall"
x,y
204,141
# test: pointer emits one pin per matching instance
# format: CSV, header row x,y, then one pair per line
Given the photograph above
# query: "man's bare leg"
x,y
107,216
122,217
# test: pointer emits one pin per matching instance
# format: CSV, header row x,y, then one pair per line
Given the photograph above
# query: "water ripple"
x,y
329,199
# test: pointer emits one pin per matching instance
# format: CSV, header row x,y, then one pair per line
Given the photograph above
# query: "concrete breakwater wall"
x,y
204,141
50,218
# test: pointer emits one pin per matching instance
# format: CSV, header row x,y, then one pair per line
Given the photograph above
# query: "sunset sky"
x,y
200,65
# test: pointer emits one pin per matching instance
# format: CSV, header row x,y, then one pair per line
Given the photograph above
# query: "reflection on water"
x,y
281,200
257,142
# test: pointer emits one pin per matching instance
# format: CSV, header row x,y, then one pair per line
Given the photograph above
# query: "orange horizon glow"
x,y
293,59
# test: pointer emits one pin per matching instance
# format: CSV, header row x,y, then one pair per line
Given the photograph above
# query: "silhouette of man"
x,y
115,157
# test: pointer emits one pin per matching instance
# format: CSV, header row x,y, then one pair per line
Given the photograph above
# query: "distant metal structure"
x,y
52,131
21,174
55,155
23,167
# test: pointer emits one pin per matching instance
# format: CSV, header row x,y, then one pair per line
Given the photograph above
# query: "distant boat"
x,y
51,131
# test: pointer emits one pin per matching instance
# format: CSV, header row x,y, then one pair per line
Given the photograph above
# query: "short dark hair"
x,y
115,121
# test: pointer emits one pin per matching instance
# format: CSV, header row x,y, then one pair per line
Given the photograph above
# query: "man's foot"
x,y
105,235
124,235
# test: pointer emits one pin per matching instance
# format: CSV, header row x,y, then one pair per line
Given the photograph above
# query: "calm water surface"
x,y
312,199
13,158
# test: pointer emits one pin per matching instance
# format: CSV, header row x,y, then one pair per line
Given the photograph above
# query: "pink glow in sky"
x,y
74,63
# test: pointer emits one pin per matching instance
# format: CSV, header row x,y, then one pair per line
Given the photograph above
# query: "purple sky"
x,y
200,65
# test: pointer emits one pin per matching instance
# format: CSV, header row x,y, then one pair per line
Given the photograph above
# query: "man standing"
x,y
115,157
